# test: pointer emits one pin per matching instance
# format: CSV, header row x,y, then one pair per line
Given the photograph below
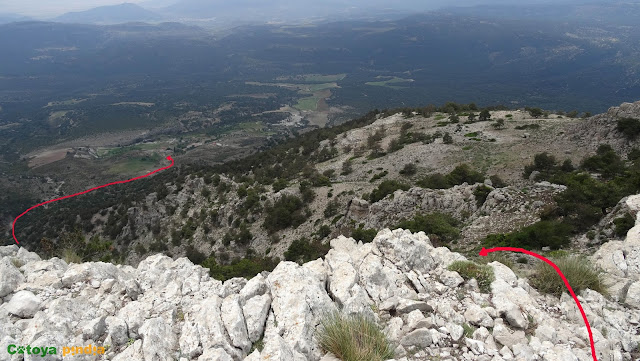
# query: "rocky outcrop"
x,y
505,209
621,259
169,309
601,128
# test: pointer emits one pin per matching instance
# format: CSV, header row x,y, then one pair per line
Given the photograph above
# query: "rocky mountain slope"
x,y
167,309
350,180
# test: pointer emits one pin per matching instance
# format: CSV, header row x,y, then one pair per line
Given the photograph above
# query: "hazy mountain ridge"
x,y
114,14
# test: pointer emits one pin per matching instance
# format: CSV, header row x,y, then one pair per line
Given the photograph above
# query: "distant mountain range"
x,y
9,18
113,14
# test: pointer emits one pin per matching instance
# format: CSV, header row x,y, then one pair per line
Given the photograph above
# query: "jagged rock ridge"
x,y
172,310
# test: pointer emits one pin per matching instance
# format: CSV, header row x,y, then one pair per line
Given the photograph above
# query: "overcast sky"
x,y
54,7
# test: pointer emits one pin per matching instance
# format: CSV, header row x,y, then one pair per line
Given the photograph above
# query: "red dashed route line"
x,y
13,228
484,252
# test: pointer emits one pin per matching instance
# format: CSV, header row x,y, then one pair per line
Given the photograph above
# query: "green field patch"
x,y
389,83
471,135
309,103
323,86
135,165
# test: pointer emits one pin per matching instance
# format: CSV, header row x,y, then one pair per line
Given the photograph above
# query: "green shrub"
x,y
379,176
365,235
497,182
481,193
623,224
460,174
194,255
552,234
543,163
447,138
442,226
578,271
385,188
468,270
409,169
246,267
464,174
302,250
353,338
279,184
434,181
288,211
606,162
629,127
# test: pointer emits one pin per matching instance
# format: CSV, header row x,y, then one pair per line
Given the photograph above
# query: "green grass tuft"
x,y
468,270
578,271
353,338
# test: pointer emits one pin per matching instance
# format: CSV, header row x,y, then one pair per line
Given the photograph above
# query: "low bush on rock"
x,y
303,250
385,188
366,235
246,267
578,271
440,227
468,270
460,174
353,338
553,234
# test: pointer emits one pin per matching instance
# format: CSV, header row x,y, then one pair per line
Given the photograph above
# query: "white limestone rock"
x,y
24,304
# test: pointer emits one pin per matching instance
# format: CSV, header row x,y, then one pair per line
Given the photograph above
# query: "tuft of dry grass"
x,y
353,338
70,256
578,271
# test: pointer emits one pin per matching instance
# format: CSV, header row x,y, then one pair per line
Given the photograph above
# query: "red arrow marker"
x,y
484,252
13,228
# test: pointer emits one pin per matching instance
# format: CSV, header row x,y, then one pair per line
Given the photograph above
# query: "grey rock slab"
x,y
505,336
255,311
117,330
159,341
11,277
215,354
299,301
94,329
233,319
419,338
406,306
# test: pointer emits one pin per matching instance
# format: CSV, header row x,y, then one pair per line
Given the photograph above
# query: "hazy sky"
x,y
54,7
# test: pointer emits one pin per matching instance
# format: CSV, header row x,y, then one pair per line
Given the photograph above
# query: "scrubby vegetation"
x,y
366,235
303,250
246,267
288,211
578,271
441,228
483,274
630,127
552,234
460,174
353,338
385,188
